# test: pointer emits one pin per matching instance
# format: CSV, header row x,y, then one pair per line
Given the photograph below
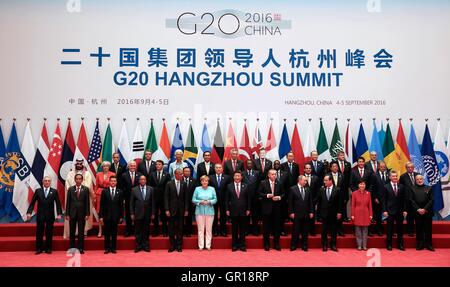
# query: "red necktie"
x,y
262,165
234,165
342,166
361,173
238,192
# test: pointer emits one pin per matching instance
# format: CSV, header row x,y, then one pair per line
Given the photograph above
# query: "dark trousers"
x,y
398,220
300,227
73,223
410,217
329,224
129,223
221,218
176,230
377,218
41,226
312,225
110,231
424,224
142,232
271,224
253,220
188,220
160,214
238,231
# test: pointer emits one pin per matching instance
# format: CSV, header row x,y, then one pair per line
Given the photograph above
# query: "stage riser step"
x,y
94,243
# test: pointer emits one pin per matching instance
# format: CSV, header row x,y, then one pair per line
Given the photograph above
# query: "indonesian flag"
x,y
230,143
82,148
245,150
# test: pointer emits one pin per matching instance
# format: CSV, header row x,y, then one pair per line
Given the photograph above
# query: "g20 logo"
x,y
227,23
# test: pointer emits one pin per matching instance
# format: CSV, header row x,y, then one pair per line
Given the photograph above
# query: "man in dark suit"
x,y
393,203
176,203
219,181
314,184
77,211
373,164
147,165
262,164
301,210
338,181
251,178
110,214
206,167
191,184
234,164
282,178
329,203
271,192
292,170
46,198
129,180
238,204
345,168
318,168
117,168
158,181
408,181
361,172
381,178
422,201
142,206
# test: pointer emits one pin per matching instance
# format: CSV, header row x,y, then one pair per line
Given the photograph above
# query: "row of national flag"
x,y
22,167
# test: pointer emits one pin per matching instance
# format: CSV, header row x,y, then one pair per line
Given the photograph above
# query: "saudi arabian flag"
x,y
191,151
336,144
389,151
322,145
151,143
107,150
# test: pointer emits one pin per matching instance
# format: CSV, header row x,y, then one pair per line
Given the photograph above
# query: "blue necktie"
x,y
46,192
218,181
143,192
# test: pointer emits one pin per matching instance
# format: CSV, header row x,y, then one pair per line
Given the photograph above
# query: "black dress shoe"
x,y
334,248
389,247
266,248
81,251
127,234
106,251
305,248
430,248
215,233
48,251
243,248
171,249
324,248
419,248
113,251
379,233
146,249
293,248
277,247
136,250
38,252
223,234
165,235
341,234
370,234
234,249
179,249
401,247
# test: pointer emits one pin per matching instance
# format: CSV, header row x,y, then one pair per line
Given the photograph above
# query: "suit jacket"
x,y
159,186
237,206
267,204
201,170
46,206
300,206
320,171
258,166
355,177
346,173
111,208
119,171
78,207
228,167
252,181
142,168
341,185
379,185
369,165
176,203
220,191
330,207
406,181
190,187
422,197
291,176
315,184
391,203
127,185
142,208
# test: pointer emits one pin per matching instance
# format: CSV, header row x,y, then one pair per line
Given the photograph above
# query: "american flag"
x,y
95,151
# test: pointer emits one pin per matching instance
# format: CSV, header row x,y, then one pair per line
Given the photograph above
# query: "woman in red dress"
x,y
101,182
361,214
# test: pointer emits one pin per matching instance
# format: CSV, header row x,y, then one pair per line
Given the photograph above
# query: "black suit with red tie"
x,y
271,211
238,203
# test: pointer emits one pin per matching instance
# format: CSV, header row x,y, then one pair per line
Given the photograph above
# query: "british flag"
x,y
94,151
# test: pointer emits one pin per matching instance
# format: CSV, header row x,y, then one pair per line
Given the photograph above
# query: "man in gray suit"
x,y
77,211
142,206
